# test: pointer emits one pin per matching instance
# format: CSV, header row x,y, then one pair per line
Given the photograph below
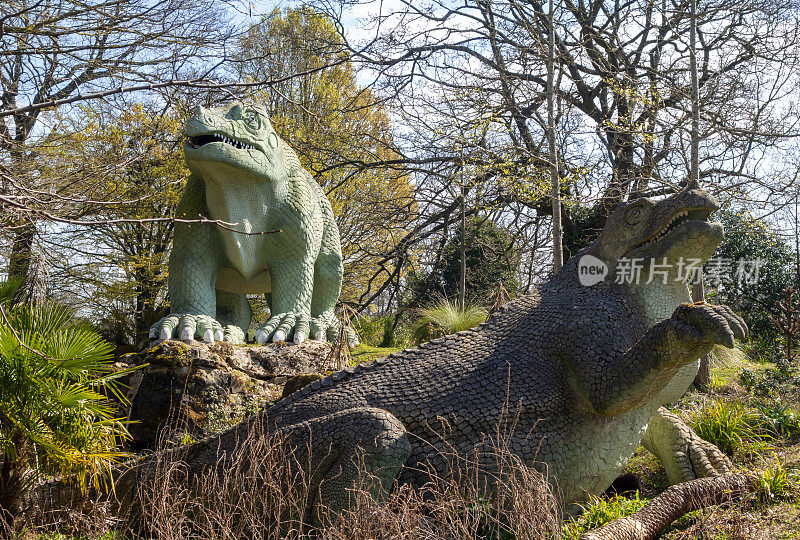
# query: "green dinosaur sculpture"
x,y
582,370
243,173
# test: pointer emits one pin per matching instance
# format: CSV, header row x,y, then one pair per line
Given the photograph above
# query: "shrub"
x,y
783,418
782,381
371,330
53,418
446,318
750,239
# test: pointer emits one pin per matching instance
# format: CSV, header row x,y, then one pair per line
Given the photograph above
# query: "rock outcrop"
x,y
189,390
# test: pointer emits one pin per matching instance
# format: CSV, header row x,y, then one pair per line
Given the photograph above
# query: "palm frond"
x,y
53,418
9,288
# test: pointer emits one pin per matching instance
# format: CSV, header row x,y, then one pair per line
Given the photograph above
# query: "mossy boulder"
x,y
189,390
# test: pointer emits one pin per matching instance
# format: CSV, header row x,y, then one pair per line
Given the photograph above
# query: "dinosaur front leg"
x,y
194,264
292,286
684,455
234,314
626,383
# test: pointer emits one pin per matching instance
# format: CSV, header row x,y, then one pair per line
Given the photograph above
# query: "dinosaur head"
x,y
236,135
675,227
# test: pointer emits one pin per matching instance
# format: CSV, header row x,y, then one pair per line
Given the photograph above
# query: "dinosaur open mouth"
x,y
201,140
677,219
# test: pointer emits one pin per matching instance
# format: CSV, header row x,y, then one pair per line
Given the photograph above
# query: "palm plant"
x,y
55,415
444,318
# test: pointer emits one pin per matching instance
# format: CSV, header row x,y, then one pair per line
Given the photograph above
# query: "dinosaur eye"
x,y
633,215
251,118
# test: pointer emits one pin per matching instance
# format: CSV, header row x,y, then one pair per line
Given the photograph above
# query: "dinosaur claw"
x,y
186,334
153,333
320,336
299,337
219,335
278,336
729,343
261,336
166,333
208,336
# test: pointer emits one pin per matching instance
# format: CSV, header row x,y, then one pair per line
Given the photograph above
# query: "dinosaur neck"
x,y
655,301
236,197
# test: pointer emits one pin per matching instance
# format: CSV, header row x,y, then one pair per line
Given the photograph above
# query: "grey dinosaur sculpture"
x,y
243,173
582,370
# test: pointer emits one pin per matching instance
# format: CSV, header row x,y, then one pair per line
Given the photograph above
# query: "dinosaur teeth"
x,y
197,141
668,226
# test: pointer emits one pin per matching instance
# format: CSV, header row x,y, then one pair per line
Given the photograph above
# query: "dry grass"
x,y
253,494
491,494
263,493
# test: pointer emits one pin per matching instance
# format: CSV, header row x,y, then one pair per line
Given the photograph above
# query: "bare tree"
x,y
54,50
626,88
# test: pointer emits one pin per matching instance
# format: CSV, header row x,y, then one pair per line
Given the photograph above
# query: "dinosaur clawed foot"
x,y
683,453
300,327
187,326
700,323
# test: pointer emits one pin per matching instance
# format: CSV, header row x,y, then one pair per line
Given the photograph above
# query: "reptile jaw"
x,y
677,219
198,141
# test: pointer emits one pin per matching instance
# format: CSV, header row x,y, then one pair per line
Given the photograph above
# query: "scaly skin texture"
x,y
243,173
577,373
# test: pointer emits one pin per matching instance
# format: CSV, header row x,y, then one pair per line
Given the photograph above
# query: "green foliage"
x,y
383,331
136,153
780,382
784,419
492,259
446,318
54,416
732,427
371,330
776,483
107,535
748,239
581,228
600,511
366,353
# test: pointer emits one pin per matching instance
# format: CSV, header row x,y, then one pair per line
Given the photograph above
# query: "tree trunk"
x,y
555,191
703,377
702,380
462,283
19,261
622,176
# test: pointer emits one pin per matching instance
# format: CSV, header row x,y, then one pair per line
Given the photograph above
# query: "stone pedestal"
x,y
190,390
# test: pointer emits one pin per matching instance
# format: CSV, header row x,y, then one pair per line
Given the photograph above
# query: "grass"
x,y
733,427
261,493
778,483
446,318
726,364
599,511
366,353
